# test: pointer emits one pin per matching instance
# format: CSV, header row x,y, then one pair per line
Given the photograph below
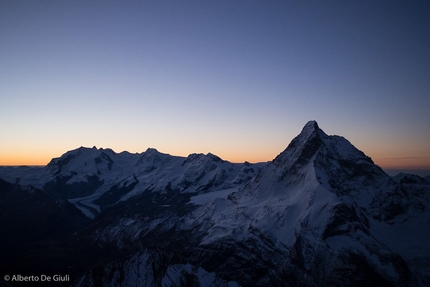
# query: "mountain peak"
x,y
151,150
310,131
309,128
311,125
309,140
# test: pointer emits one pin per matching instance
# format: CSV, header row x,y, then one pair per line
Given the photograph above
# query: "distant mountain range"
x,y
320,214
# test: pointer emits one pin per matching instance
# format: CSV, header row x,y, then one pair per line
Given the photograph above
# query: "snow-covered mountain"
x,y
320,214
93,179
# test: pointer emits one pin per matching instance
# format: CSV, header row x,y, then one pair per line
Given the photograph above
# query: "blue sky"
x,y
235,78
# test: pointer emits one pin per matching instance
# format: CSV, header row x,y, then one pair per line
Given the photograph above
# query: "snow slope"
x,y
93,179
320,214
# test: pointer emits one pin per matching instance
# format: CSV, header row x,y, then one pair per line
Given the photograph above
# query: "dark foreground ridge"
x,y
320,214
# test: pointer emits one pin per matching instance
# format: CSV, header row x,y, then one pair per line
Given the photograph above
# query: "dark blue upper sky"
x,y
235,78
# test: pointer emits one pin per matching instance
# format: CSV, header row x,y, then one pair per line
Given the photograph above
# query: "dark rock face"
x,y
151,267
320,214
31,219
59,187
116,192
345,220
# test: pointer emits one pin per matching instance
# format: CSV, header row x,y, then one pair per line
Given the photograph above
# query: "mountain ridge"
x,y
320,213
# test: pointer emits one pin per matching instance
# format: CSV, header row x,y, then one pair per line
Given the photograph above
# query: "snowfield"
x,y
320,214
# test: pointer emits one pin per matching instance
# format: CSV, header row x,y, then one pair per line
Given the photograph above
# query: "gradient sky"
x,y
236,78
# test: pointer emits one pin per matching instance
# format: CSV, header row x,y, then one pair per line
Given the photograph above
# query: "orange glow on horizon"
x,y
406,163
18,160
403,163
42,159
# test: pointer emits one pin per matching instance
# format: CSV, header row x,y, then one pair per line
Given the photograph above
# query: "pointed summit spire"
x,y
310,130
312,123
310,127
303,147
